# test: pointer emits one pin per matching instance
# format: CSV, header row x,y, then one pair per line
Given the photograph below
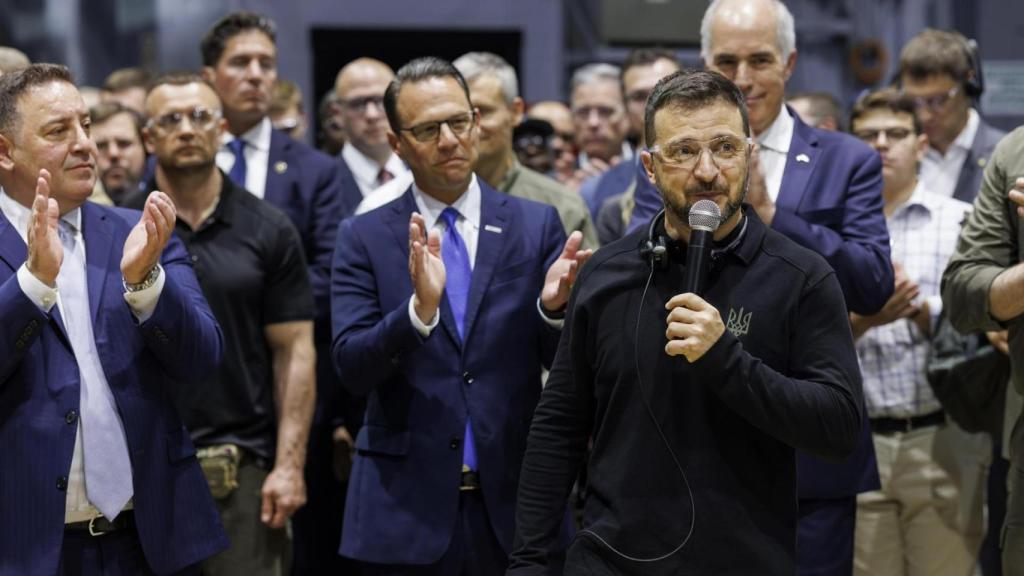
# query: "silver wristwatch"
x,y
147,282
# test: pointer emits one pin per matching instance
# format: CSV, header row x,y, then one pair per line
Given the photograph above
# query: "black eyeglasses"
x,y
200,118
891,134
358,105
430,131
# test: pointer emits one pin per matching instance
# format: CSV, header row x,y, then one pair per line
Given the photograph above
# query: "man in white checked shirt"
x,y
928,516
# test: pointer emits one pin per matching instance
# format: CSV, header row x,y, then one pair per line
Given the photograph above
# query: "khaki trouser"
x,y
256,550
1013,528
928,518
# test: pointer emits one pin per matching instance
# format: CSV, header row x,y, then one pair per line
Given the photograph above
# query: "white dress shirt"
x,y
940,172
142,303
366,171
257,156
468,227
386,193
774,143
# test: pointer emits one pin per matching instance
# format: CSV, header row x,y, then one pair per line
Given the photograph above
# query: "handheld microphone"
x,y
705,217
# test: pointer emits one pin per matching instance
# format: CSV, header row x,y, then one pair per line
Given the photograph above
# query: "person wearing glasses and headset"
x,y
693,402
251,418
939,70
446,305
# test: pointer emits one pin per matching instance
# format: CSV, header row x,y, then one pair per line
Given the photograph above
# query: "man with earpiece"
x,y
694,402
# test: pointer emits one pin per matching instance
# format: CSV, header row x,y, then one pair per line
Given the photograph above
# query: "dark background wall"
x,y
545,39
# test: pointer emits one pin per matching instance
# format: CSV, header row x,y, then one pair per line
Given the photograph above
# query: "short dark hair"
x,y
822,105
212,45
416,71
125,78
645,57
178,78
936,52
104,111
888,99
14,84
689,90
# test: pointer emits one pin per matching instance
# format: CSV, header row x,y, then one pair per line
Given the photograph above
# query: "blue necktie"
x,y
108,469
458,276
237,173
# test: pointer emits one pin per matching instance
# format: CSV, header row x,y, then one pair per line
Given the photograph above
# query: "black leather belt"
x,y
892,425
99,525
470,481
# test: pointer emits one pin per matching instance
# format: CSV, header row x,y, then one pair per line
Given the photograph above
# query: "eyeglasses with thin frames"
x,y
201,118
725,151
934,103
430,131
358,105
894,134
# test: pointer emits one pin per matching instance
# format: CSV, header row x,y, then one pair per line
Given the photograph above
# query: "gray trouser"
x,y
1013,528
256,550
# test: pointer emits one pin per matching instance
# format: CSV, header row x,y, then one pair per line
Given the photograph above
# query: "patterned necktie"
x,y
384,176
108,470
237,173
458,276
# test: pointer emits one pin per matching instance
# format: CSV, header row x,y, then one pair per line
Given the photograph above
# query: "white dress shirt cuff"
x,y
36,290
143,302
423,329
555,323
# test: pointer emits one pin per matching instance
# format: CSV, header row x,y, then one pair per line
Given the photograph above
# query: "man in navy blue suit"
x,y
102,316
240,62
366,160
823,190
444,306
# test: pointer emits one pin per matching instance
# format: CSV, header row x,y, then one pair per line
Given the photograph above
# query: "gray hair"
x,y
472,65
590,73
785,30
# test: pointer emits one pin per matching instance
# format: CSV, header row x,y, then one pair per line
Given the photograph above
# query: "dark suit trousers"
x,y
824,541
114,554
473,550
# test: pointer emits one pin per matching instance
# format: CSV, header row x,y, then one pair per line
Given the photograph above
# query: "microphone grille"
x,y
705,215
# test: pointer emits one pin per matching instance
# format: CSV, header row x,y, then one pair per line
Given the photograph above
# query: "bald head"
x,y
555,113
360,72
12,59
360,87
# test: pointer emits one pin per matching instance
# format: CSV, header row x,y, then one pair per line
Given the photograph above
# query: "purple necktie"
x,y
237,173
458,276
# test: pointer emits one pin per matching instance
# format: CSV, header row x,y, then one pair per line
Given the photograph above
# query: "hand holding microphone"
x,y
694,325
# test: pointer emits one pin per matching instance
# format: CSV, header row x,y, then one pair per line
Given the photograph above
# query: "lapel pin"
x,y
280,167
982,162
491,228
803,158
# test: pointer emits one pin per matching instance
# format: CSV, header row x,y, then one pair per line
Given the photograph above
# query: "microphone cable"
x,y
664,439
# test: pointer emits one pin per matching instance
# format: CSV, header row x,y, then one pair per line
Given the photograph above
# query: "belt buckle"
x,y
909,427
92,530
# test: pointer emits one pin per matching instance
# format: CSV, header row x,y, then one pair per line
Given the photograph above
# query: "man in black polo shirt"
x,y
251,419
694,403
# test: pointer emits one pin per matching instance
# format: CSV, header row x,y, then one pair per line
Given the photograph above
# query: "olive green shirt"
x,y
523,182
991,241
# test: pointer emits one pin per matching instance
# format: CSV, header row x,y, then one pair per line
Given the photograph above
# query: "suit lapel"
x,y
397,220
489,247
98,247
277,180
800,163
14,252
